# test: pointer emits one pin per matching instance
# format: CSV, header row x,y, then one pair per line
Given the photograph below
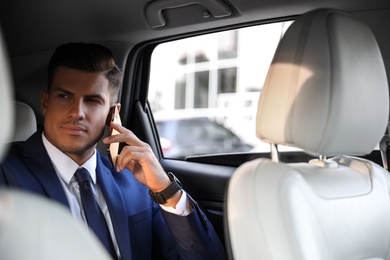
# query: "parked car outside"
x,y
195,136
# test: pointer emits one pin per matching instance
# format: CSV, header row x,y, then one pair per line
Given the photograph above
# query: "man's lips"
x,y
74,129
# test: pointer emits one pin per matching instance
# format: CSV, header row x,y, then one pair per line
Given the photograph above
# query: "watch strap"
x,y
162,196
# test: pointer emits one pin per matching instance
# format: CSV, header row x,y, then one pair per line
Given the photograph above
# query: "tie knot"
x,y
82,175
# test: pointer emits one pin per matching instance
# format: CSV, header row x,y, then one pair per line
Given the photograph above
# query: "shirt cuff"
x,y
183,207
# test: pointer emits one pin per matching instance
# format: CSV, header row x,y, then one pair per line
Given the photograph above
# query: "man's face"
x,y
75,111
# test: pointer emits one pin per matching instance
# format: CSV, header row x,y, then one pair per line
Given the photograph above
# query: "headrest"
x,y
326,91
25,123
6,109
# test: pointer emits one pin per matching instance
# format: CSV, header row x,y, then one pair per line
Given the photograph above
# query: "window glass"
x,y
204,90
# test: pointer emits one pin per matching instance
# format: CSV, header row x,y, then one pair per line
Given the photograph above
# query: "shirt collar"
x,y
64,165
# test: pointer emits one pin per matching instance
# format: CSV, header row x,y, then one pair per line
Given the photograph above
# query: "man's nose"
x,y
77,110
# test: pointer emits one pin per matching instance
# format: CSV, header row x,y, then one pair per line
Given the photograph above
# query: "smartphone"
x,y
113,148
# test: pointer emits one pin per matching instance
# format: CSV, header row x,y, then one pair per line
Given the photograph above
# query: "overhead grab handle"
x,y
155,18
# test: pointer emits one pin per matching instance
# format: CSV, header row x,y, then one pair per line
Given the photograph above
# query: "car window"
x,y
203,91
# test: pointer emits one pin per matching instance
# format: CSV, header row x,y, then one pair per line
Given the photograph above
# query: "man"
x,y
83,84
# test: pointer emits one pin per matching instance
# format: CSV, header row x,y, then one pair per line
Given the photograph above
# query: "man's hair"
x,y
87,57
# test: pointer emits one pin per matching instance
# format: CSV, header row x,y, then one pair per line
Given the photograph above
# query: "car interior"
x,y
311,79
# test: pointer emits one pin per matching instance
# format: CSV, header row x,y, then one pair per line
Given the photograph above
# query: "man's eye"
x,y
62,95
92,100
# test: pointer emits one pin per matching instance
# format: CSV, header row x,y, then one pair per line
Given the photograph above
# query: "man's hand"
x,y
140,159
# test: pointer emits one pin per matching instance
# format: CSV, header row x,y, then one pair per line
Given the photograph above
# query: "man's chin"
x,y
78,149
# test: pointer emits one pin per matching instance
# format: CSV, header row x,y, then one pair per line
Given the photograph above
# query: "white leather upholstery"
x,y
35,228
25,123
32,227
326,92
6,109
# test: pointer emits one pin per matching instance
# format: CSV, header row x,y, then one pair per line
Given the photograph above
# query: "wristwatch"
x,y
162,196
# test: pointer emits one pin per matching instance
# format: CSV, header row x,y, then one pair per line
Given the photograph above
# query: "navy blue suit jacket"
x,y
142,229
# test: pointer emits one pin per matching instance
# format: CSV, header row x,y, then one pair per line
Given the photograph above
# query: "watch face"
x,y
173,178
163,196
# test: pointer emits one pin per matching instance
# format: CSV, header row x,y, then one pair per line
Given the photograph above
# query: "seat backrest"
x,y
6,108
25,121
326,92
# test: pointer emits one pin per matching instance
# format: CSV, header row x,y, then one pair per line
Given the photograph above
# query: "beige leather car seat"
x,y
326,92
25,122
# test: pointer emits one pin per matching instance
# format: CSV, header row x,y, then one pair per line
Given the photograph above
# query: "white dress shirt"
x,y
65,168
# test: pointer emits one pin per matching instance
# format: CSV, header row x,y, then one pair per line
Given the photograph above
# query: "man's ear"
x,y
44,97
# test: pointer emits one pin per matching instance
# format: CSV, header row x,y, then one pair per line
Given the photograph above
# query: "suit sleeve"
x,y
2,177
194,235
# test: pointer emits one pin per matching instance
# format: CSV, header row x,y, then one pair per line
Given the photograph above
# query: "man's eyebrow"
x,y
94,96
63,90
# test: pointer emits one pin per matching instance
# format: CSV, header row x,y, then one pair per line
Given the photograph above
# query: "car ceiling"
x,y
124,21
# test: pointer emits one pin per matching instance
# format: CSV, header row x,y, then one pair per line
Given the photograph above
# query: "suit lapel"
x,y
116,207
39,163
